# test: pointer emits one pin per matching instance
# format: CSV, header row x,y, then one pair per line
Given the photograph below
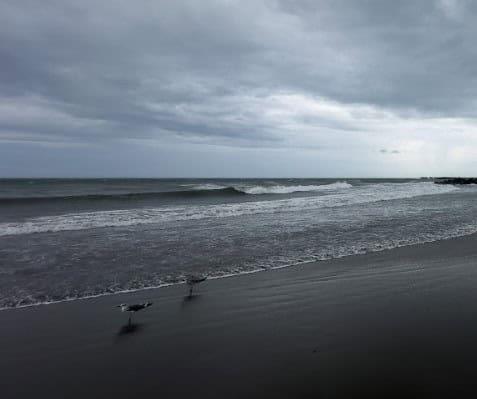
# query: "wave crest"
x,y
281,189
201,190
132,217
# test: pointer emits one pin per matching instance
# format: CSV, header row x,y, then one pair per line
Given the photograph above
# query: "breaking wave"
x,y
164,214
202,190
281,189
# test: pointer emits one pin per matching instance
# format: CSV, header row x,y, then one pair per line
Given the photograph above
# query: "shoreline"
x,y
394,323
233,275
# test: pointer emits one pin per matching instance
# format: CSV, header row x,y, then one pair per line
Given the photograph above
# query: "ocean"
x,y
64,239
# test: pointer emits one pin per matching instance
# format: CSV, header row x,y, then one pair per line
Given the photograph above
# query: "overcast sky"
x,y
238,88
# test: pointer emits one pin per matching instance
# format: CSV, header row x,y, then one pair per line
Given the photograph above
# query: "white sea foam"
x,y
277,263
273,189
281,189
160,215
208,186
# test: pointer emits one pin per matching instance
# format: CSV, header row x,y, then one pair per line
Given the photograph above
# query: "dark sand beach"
x,y
399,323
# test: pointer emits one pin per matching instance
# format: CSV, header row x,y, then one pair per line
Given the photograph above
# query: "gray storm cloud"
x,y
331,79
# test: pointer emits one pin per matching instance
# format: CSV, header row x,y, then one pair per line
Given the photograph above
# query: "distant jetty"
x,y
455,180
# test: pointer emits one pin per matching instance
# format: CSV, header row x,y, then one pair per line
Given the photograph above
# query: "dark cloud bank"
x,y
156,88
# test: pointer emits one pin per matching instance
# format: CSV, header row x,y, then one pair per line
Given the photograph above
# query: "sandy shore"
x,y
400,323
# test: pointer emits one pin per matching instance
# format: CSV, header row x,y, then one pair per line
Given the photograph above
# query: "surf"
x,y
165,214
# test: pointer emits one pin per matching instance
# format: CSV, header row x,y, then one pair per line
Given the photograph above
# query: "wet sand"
x,y
400,323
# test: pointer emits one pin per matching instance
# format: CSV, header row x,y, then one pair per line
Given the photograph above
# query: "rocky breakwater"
x,y
455,180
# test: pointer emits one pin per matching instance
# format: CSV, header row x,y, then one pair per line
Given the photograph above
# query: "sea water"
x,y
64,239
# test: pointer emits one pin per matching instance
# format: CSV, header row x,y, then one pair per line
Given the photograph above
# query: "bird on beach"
x,y
193,280
133,308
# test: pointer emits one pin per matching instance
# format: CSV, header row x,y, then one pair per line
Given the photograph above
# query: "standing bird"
x,y
192,280
133,308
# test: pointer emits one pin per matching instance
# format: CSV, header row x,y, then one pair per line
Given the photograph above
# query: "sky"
x,y
259,88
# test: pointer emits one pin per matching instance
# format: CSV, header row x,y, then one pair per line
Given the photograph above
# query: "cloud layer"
x,y
177,87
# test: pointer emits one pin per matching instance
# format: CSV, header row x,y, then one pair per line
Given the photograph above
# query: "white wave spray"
x,y
132,217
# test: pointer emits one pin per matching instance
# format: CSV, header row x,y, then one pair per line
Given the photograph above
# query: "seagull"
x,y
133,308
193,280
